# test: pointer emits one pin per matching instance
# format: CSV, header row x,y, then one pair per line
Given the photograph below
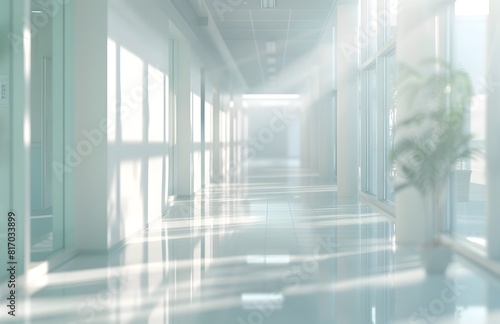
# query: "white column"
x,y
216,153
416,25
69,124
326,127
232,141
347,106
493,132
313,128
304,145
203,96
58,123
184,132
90,106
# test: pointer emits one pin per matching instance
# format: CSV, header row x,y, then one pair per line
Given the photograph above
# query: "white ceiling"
x,y
294,27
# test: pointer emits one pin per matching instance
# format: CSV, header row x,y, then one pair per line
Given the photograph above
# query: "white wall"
x,y
347,107
137,112
326,103
122,115
270,137
121,91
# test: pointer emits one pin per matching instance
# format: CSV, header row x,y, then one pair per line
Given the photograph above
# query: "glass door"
x,y
47,121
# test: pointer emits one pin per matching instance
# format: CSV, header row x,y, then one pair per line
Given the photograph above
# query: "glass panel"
x,y
468,185
208,141
391,13
372,27
46,127
196,131
372,131
5,140
390,124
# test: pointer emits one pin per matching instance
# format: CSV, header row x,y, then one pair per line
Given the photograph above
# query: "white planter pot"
x,y
435,258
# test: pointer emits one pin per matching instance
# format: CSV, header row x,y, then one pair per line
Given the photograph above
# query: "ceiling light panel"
x,y
271,47
268,4
273,96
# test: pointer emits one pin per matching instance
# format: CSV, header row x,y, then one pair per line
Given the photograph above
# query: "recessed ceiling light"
x,y
271,47
268,4
268,259
275,96
252,301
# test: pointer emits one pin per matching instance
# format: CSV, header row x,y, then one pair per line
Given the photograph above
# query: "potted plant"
x,y
431,141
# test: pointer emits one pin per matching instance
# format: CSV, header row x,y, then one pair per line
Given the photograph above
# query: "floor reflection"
x,y
274,248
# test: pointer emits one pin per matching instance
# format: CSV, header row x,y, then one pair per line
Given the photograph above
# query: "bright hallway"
x,y
249,161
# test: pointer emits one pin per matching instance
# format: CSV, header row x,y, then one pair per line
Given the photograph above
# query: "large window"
x,y
208,141
390,14
390,124
378,72
371,124
371,27
196,134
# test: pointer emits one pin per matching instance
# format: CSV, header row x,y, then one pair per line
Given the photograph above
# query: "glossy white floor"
x,y
274,247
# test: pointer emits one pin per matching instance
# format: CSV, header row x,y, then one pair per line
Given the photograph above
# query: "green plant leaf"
x,y
435,139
